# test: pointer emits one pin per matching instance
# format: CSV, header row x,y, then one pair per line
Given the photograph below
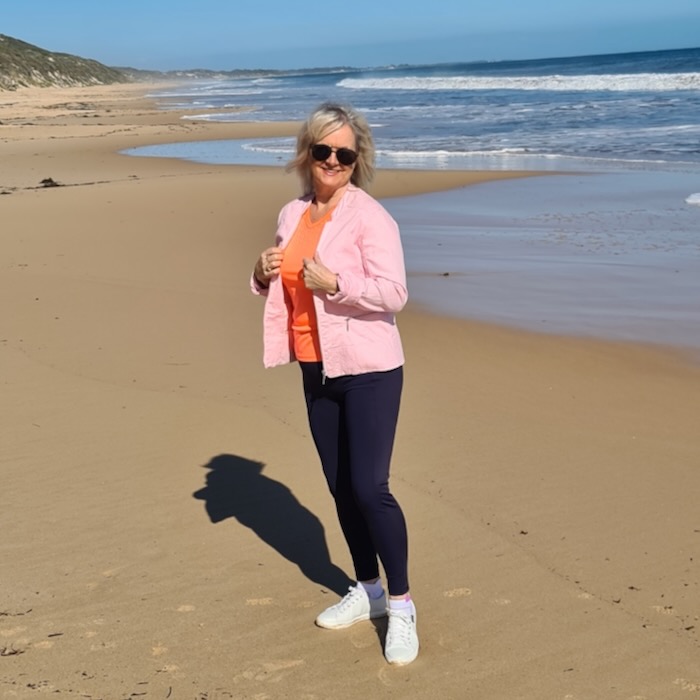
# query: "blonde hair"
x,y
325,119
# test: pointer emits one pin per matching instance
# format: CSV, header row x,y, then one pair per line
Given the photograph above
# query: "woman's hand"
x,y
268,265
318,276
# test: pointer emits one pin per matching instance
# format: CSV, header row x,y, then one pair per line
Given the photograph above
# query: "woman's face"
x,y
329,176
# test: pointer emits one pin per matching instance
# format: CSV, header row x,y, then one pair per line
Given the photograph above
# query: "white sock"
x,y
402,604
374,590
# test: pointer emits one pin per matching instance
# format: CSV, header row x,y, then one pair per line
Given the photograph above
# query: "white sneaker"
x,y
401,646
354,607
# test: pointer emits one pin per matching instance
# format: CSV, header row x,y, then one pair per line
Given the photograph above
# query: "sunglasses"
x,y
321,152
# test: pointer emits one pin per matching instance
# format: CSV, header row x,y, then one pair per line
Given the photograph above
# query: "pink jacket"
x,y
356,326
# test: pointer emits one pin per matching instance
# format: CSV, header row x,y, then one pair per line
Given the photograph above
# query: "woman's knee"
x,y
373,497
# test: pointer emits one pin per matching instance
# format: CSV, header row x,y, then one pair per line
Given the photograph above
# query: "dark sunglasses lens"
x,y
345,156
321,152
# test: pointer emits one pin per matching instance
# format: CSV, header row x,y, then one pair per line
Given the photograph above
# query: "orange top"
x,y
302,245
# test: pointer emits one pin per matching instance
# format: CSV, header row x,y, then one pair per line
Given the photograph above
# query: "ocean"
x,y
611,249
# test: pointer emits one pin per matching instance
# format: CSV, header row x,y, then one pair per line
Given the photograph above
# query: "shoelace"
x,y
400,628
349,598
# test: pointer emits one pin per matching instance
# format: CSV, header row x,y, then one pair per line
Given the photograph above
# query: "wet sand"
x,y
612,255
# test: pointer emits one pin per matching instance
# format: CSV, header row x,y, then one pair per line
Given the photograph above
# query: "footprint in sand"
x,y
684,684
362,639
390,674
172,669
259,601
272,671
46,644
384,676
458,593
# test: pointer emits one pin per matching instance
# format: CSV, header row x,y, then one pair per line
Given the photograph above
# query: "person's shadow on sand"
x,y
237,488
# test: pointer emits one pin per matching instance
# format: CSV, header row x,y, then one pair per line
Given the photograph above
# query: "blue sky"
x,y
229,34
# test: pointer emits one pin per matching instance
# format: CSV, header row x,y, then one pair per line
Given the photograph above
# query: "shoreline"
x,y
89,112
167,528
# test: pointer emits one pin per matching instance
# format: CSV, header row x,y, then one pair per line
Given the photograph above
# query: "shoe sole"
x,y
350,624
402,663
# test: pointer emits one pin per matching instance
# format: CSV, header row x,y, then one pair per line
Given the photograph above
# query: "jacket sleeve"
x,y
256,287
382,287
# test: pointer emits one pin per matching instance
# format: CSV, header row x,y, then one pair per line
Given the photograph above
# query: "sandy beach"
x,y
167,532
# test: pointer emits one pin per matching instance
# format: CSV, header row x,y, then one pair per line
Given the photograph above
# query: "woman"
x,y
334,280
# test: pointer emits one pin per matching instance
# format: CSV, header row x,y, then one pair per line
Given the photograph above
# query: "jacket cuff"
x,y
349,290
257,288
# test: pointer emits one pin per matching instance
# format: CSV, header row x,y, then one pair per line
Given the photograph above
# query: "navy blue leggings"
x,y
353,422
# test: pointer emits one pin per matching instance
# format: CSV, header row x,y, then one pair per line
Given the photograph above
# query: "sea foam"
x,y
632,82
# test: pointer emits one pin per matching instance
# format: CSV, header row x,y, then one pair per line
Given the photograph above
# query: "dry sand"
x,y
166,532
